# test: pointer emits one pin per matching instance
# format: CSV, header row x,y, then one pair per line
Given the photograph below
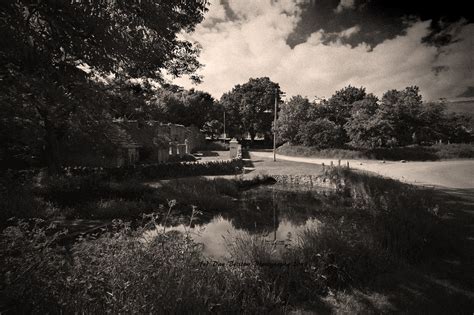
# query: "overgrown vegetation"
x,y
383,225
120,272
93,197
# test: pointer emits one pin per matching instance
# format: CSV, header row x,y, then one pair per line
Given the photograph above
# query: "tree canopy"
x,y
54,55
249,107
354,118
186,107
303,122
292,115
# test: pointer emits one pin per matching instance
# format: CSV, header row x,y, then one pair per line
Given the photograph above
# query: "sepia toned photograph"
x,y
236,156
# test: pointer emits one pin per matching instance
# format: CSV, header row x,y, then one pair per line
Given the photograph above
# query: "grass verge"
x,y
412,153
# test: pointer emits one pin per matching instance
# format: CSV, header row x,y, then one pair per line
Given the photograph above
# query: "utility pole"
x,y
224,126
274,125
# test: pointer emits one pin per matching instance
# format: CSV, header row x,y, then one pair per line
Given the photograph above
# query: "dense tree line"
x,y
359,119
187,107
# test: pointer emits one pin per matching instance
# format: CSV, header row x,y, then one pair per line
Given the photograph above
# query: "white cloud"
x,y
345,4
350,31
254,45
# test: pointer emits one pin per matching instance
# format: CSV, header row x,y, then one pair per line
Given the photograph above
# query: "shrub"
x,y
214,146
173,170
17,197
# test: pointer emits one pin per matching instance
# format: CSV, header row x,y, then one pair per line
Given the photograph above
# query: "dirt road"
x,y
448,174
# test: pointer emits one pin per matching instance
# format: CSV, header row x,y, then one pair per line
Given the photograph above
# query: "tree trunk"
x,y
52,148
252,136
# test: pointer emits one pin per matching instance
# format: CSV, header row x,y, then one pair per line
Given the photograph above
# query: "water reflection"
x,y
273,212
218,231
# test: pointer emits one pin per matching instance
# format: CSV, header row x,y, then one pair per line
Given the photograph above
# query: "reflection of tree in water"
x,y
255,216
261,210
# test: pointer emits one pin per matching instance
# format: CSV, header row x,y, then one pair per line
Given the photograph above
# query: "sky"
x,y
315,47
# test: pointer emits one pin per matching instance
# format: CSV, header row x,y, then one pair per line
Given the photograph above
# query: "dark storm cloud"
x,y
230,15
380,20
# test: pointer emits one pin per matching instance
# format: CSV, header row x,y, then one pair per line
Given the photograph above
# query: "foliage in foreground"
x,y
120,272
385,224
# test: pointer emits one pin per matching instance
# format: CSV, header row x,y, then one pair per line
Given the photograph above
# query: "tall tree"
x,y
52,52
249,107
338,108
402,109
368,126
292,116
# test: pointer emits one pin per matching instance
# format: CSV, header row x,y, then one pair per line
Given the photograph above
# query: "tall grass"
x,y
120,272
385,225
403,219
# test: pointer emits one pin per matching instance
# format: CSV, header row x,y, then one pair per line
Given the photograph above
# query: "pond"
x,y
275,213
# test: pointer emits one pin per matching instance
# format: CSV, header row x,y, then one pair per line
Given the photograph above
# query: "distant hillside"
x,y
461,105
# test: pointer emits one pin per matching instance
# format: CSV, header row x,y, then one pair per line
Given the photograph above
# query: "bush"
x,y
17,197
213,146
160,171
